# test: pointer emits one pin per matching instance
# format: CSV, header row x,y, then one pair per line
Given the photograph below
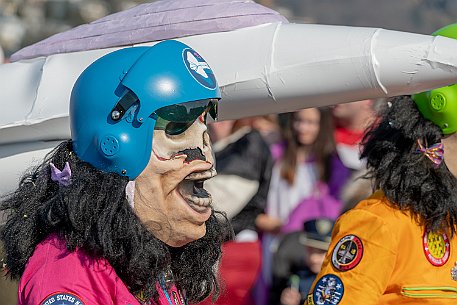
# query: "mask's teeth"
x,y
202,175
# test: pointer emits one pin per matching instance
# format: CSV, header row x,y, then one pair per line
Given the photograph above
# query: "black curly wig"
x,y
409,179
93,215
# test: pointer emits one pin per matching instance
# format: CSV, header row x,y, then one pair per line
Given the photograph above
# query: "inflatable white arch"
x,y
263,64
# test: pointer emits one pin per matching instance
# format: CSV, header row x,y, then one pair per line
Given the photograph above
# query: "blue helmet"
x,y
117,101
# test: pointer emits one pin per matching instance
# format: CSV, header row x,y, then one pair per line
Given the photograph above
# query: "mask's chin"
x,y
193,192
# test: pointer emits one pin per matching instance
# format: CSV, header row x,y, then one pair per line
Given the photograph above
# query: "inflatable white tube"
x,y
262,69
291,66
15,159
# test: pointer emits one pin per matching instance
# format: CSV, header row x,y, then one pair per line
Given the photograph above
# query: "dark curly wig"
x,y
409,179
93,214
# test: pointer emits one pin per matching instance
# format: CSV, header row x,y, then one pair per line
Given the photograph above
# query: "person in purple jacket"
x,y
119,213
307,177
307,167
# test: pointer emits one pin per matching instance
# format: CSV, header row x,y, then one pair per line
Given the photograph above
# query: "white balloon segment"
x,y
262,68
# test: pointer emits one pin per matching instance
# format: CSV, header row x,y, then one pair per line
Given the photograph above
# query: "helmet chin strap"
x,y
130,193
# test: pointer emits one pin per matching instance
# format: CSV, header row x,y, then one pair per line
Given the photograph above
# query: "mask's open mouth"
x,y
193,191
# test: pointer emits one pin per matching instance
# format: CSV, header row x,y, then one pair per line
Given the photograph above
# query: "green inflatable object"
x,y
440,105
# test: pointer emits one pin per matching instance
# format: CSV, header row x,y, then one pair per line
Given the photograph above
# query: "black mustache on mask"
x,y
193,154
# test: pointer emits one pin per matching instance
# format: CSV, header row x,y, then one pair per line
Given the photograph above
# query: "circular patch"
x,y
199,69
436,247
347,253
62,298
328,290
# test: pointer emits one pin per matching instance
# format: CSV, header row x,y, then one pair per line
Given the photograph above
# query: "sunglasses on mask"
x,y
176,119
173,119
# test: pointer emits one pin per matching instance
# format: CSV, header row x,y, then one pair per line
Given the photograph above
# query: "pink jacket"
x,y
54,275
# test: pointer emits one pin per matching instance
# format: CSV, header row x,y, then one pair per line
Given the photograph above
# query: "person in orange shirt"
x,y
399,246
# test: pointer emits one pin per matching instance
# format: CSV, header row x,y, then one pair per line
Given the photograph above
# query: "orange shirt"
x,y
379,255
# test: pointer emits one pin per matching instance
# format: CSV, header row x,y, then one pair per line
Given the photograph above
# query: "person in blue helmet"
x,y
119,213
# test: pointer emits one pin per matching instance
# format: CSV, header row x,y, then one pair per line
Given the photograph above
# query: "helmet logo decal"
x,y
199,69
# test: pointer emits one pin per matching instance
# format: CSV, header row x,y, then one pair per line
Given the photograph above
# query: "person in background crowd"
x,y
306,161
268,127
351,121
308,175
243,164
298,260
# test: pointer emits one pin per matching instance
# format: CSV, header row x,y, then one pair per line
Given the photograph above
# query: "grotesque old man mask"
x,y
154,133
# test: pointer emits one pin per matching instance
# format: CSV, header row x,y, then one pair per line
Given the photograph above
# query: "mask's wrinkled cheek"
x,y
168,147
208,148
161,166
